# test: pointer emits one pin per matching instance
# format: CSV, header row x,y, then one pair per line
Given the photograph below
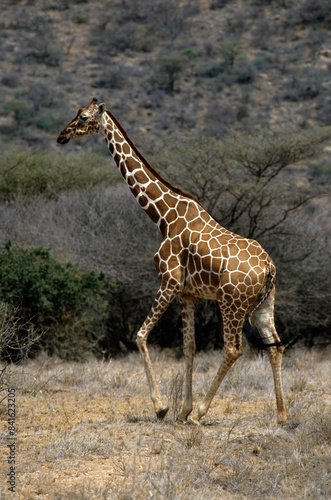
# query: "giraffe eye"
x,y
84,118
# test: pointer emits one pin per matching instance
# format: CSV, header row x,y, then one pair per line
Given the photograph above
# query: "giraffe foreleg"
x,y
162,300
188,303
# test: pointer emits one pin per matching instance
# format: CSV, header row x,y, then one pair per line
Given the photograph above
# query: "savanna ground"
x,y
87,430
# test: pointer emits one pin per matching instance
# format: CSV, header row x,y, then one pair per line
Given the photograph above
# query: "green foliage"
x,y
244,73
190,53
230,51
321,172
79,18
51,295
25,174
45,122
18,108
234,68
170,68
125,42
45,289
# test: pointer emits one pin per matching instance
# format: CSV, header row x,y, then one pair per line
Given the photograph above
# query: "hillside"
x,y
164,67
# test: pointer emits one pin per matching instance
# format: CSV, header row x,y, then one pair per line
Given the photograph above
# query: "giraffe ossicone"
x,y
197,258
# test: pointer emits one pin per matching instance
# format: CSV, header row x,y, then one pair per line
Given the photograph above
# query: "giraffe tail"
x,y
268,285
252,335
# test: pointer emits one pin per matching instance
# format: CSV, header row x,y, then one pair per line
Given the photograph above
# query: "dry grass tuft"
x,y
191,437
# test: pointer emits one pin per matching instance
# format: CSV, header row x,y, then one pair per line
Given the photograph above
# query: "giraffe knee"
x,y
141,340
234,352
275,353
238,352
233,346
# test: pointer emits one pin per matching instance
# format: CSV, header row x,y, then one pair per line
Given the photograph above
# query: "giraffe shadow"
x,y
131,418
135,419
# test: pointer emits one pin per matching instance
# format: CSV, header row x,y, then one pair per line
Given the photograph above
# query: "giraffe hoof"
x,y
282,418
182,417
161,413
193,421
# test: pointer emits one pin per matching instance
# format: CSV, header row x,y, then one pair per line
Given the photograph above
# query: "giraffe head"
x,y
86,122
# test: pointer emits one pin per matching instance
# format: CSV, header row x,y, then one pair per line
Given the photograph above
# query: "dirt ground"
x,y
87,431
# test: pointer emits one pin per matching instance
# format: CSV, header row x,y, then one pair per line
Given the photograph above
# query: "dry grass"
x,y
87,431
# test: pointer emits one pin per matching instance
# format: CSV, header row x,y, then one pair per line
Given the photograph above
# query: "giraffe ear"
x,y
102,108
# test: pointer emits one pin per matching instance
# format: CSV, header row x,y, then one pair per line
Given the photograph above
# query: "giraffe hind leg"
x,y
263,319
231,352
188,303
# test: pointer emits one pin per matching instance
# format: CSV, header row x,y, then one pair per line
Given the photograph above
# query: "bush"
x,y
234,68
315,11
169,70
26,174
13,345
218,4
51,296
19,110
45,122
17,339
304,85
172,16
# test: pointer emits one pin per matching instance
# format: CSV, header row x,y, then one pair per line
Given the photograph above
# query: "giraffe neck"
x,y
154,194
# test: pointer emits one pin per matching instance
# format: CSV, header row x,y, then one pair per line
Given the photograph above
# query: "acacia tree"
x,y
246,182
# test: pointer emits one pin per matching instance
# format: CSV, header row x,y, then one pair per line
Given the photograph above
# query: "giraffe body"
x,y
197,258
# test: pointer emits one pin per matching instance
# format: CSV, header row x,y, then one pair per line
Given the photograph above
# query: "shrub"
x,y
79,18
244,73
45,122
315,11
304,85
115,40
18,108
169,70
26,174
233,68
172,16
51,295
230,52
13,344
218,4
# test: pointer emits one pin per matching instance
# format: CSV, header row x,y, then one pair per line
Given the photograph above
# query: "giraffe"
x,y
197,258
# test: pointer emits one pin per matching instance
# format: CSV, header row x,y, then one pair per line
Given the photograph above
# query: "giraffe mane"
x,y
147,164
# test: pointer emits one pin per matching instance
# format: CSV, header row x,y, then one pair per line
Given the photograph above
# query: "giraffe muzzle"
x,y
62,139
